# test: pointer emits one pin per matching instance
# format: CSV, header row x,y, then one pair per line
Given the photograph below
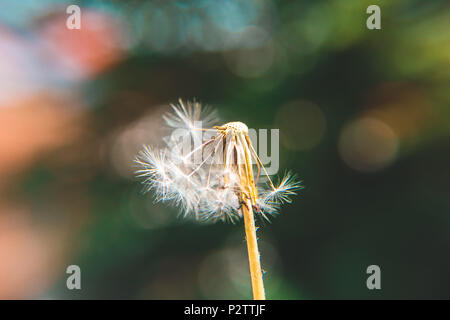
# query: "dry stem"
x,y
253,253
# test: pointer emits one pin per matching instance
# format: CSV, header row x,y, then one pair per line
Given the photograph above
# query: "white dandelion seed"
x,y
207,170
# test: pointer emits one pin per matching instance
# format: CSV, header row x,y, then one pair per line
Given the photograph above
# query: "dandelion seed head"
x,y
206,175
236,126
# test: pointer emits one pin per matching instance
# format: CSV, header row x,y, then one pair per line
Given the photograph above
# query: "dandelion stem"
x,y
253,253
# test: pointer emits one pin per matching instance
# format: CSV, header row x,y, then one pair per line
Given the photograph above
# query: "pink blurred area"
x,y
87,51
28,256
42,111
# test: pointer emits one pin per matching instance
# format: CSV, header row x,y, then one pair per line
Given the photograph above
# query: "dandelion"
x,y
206,169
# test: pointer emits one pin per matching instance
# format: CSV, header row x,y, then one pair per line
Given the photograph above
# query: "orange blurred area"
x,y
33,126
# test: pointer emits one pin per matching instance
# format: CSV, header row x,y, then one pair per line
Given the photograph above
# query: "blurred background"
x,y
364,120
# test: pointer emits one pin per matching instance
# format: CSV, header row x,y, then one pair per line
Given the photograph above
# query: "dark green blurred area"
x,y
364,120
